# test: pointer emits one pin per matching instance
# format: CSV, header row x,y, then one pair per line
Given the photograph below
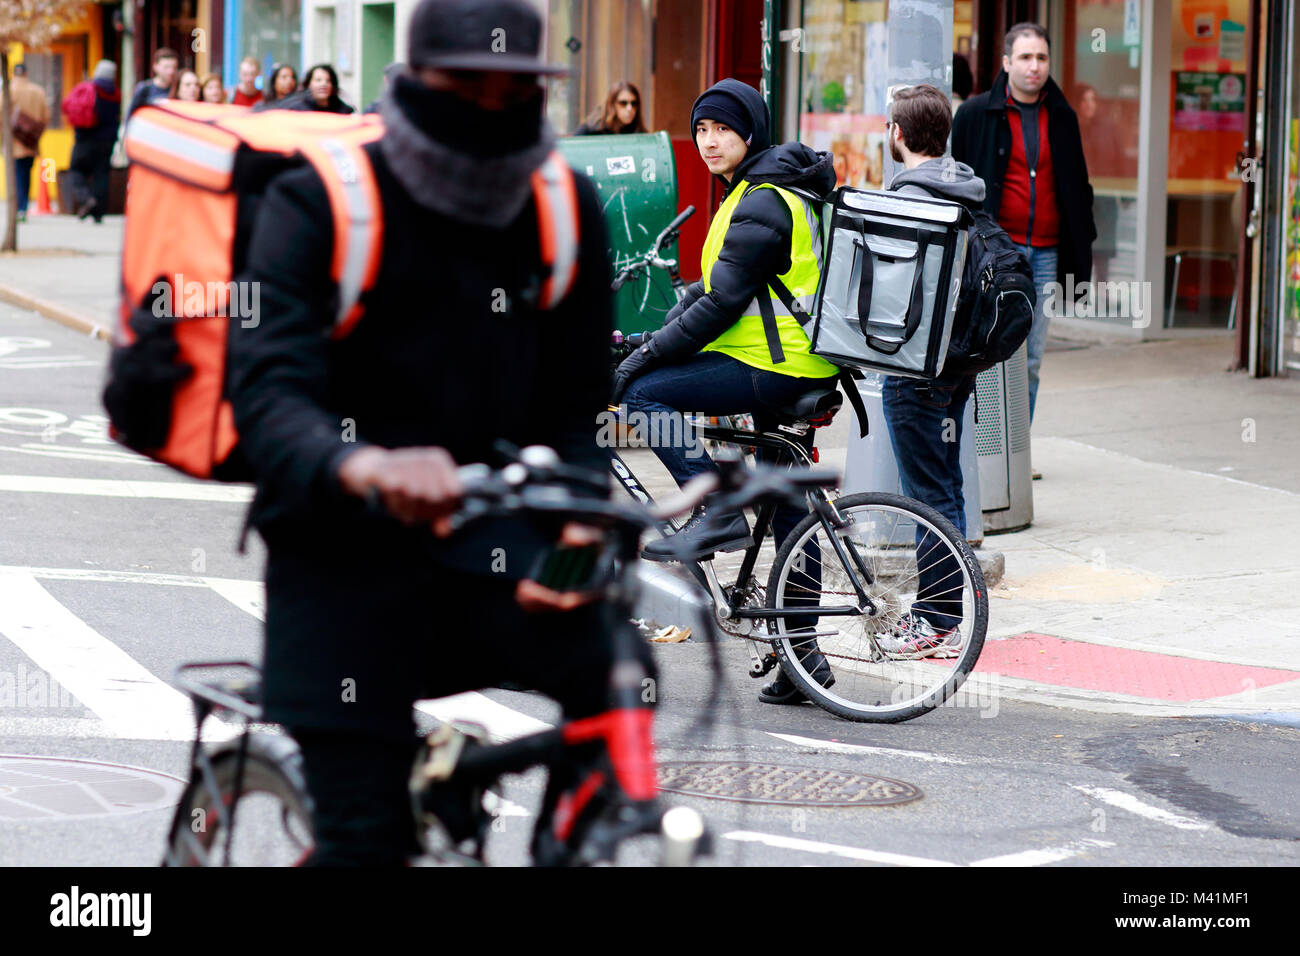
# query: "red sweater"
x,y
1014,214
240,99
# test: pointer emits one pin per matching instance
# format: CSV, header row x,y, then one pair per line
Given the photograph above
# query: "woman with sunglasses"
x,y
620,114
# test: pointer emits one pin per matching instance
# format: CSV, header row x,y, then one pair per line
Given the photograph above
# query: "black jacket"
x,y
981,138
431,363
302,100
757,245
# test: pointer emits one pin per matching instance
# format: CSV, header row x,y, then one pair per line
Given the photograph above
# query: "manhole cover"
x,y
771,783
47,788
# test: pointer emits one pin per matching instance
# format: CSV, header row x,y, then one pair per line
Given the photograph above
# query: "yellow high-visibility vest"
x,y
746,341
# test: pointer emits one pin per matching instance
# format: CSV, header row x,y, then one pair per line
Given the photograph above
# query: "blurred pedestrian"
x,y
92,149
213,91
165,64
621,113
281,85
246,92
187,87
320,92
390,73
30,114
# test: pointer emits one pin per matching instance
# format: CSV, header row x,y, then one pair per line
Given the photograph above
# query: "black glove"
x,y
142,378
635,365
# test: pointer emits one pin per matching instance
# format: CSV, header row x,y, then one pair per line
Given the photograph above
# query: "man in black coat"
x,y
366,614
1022,138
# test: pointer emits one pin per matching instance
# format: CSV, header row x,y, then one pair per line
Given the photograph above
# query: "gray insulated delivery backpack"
x,y
891,276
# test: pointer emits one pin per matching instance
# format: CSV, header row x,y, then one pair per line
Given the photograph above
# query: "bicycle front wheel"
x,y
918,600
271,822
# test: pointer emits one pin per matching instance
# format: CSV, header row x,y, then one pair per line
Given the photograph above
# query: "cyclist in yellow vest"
x,y
715,354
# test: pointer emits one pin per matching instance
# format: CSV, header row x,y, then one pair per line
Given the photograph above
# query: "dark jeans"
x,y
23,180
89,169
925,421
715,384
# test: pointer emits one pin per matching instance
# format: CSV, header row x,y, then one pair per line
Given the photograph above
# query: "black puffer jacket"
x,y
757,244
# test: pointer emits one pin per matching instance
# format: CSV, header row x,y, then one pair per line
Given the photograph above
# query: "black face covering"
x,y
460,160
466,126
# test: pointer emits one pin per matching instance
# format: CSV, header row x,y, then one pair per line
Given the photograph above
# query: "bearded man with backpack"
x,y
925,416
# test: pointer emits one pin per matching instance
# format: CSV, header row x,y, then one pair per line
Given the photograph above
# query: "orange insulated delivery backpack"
x,y
197,172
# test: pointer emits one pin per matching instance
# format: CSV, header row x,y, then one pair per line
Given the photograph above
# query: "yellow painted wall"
x,y
56,144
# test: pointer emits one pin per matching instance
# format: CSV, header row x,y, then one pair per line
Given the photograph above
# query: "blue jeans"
x,y
1042,261
925,421
23,179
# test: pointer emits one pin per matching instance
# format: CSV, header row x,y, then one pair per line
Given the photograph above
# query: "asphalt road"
x,y
113,571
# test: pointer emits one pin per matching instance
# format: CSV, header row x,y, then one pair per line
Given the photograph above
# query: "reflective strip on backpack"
x,y
189,150
557,222
358,221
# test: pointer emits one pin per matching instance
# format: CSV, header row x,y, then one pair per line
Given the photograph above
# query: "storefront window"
x,y
1207,124
1098,69
842,108
271,32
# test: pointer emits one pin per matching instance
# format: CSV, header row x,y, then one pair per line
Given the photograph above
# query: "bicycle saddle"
x,y
815,407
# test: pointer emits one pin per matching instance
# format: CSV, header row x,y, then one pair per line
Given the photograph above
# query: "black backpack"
x,y
995,309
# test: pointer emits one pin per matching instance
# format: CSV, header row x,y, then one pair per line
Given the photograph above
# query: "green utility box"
x,y
636,180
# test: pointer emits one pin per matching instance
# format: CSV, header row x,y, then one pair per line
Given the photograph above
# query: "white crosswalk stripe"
x,y
127,697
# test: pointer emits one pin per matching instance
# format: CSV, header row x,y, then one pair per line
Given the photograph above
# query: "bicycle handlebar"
x,y
673,226
539,482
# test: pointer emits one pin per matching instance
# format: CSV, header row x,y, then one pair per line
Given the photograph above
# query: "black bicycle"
x,y
874,606
246,801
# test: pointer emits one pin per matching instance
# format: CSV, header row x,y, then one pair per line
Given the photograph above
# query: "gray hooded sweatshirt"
x,y
951,179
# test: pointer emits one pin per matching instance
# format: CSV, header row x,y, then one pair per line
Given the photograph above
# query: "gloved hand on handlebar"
x,y
643,360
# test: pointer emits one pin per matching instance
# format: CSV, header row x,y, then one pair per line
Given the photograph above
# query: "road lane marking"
x,y
1125,801
500,721
834,746
831,849
120,488
1043,856
129,699
248,596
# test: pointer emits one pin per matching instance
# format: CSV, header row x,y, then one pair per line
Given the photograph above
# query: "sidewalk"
x,y
1161,574
66,270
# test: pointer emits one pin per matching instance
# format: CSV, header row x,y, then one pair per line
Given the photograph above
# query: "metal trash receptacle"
x,y
1002,445
870,464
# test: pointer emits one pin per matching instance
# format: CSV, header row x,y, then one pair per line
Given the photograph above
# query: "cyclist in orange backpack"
x,y
465,340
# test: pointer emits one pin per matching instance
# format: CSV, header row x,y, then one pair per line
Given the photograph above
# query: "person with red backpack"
x,y
466,340
96,124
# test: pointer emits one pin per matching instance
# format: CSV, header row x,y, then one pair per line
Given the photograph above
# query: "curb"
x,y
65,317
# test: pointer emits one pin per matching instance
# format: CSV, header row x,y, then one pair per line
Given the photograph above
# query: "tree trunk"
x,y
10,243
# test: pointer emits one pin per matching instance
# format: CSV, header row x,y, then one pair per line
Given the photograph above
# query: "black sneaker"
x,y
783,690
703,535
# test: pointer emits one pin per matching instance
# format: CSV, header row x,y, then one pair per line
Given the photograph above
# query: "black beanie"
x,y
723,107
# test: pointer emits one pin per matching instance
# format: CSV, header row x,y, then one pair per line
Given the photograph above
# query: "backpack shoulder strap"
x,y
358,214
556,196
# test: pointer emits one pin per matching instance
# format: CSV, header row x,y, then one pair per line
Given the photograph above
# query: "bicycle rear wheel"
x,y
272,821
914,645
